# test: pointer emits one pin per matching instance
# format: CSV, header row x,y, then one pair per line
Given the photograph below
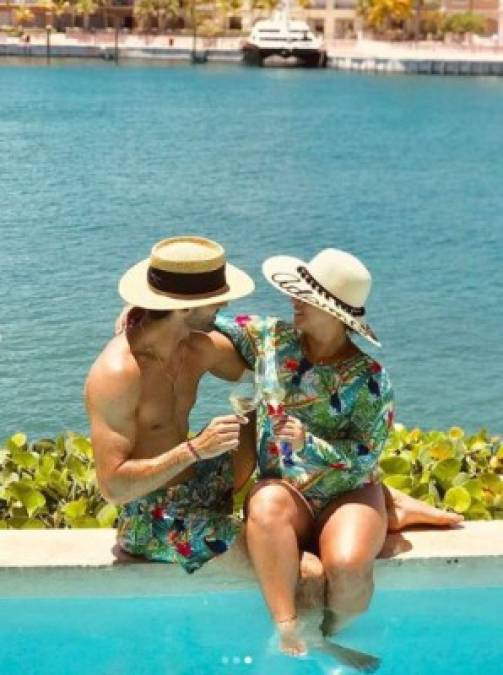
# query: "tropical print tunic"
x,y
346,409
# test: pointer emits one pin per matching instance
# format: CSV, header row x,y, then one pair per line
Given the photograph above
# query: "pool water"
x,y
418,632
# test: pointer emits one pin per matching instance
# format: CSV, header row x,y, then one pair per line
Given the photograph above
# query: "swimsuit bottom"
x,y
317,495
189,523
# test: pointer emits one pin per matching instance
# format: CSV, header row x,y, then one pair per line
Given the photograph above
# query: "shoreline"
x,y
359,56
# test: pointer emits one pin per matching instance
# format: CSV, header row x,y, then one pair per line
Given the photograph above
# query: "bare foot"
x,y
290,639
404,510
310,566
311,586
365,663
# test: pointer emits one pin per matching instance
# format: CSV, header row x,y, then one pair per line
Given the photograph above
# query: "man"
x,y
139,393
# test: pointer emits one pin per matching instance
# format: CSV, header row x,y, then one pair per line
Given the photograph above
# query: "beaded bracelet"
x,y
193,450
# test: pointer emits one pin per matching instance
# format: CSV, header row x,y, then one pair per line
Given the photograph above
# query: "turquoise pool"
x,y
413,632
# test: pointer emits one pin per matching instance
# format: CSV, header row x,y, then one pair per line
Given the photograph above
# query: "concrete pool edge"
x,y
88,562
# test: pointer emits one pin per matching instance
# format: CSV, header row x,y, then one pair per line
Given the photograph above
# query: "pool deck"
x,y
60,562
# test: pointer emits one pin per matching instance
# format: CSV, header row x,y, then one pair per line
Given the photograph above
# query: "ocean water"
x,y
98,162
438,632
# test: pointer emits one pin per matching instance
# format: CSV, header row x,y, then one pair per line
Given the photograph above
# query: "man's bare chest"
x,y
166,401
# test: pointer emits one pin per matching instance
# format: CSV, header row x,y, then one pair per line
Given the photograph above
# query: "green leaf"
x,y
33,524
420,490
31,499
492,482
442,450
79,445
477,511
398,481
474,488
3,525
47,465
76,508
17,442
395,465
446,470
458,499
86,522
26,460
76,467
107,515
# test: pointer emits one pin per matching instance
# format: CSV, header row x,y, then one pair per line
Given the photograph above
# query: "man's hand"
x,y
221,435
291,430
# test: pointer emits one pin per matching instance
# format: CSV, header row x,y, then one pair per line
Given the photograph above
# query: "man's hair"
x,y
156,314
138,315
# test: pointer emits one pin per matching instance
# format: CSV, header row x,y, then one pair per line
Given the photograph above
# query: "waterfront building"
x,y
334,19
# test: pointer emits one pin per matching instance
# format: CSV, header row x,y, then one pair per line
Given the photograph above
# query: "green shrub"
x,y
51,483
465,22
447,470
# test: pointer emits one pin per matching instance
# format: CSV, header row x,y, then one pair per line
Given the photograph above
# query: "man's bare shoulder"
x,y
114,375
207,348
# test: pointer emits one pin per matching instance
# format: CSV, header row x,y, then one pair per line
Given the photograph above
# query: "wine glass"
x,y
245,395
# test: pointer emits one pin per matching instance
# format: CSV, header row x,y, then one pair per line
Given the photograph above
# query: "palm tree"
x,y
23,16
144,11
85,8
384,14
166,10
55,10
267,5
228,8
106,6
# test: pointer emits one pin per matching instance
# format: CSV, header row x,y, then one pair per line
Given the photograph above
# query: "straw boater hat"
x,y
334,281
184,272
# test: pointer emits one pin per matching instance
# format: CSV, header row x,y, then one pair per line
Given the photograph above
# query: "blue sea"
x,y
98,162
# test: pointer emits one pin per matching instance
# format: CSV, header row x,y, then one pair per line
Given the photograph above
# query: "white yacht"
x,y
281,40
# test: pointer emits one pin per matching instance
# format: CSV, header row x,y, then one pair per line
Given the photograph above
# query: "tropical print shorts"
x,y
189,523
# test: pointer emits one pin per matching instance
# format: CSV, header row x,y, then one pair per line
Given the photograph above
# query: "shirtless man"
x,y
139,393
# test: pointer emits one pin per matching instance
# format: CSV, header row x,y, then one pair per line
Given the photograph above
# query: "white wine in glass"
x,y
244,396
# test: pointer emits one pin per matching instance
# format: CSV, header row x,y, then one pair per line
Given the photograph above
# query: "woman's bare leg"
x,y
352,532
277,522
404,510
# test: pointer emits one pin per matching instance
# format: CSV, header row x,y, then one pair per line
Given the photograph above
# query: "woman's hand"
x,y
291,430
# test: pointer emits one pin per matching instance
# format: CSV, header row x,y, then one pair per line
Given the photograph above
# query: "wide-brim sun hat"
x,y
184,272
334,281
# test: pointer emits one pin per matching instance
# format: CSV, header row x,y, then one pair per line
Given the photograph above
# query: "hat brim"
x,y
135,290
281,272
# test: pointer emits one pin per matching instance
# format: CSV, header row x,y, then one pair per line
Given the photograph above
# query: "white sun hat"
x,y
184,272
334,281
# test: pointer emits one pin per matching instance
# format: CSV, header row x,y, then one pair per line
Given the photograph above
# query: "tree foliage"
x,y
382,15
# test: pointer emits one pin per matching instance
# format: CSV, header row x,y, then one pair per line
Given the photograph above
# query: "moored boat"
x,y
282,41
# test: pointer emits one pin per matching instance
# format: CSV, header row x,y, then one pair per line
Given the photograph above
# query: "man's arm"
x,y
112,400
219,356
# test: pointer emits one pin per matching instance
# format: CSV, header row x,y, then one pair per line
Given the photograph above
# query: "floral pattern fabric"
x,y
346,409
189,523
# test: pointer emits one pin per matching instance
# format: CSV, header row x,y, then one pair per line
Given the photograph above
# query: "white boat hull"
x,y
307,58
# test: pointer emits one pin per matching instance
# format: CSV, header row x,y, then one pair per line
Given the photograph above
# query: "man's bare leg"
x,y
277,520
403,510
352,532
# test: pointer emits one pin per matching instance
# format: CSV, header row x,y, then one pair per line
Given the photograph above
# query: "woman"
x,y
318,450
